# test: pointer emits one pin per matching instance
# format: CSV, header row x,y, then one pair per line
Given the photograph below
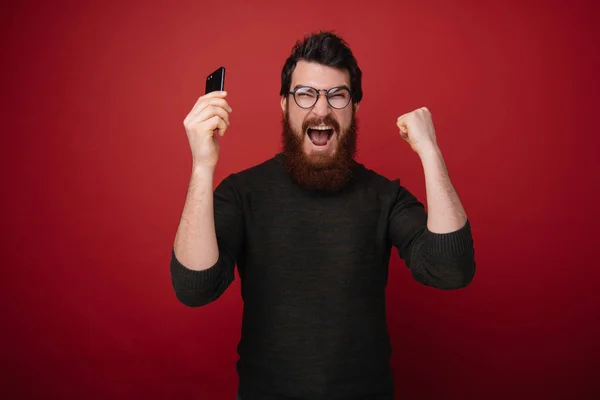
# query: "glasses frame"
x,y
327,92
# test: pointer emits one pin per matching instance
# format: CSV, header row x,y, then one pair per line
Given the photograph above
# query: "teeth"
x,y
321,128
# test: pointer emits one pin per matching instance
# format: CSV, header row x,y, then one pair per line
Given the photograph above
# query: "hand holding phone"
x,y
215,81
209,114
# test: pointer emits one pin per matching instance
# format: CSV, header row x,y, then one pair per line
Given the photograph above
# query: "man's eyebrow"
x,y
343,87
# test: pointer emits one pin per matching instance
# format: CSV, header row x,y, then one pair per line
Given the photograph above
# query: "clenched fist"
x,y
210,113
417,129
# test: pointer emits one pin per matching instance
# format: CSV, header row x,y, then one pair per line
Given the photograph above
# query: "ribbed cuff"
x,y
188,279
450,244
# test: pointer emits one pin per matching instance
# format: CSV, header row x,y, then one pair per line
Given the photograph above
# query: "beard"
x,y
320,172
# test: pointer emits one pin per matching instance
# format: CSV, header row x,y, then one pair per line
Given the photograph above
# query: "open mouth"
x,y
320,135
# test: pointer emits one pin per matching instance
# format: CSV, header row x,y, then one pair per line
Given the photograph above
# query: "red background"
x,y
95,166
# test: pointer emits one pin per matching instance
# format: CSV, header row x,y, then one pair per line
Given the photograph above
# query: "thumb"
x,y
403,126
402,123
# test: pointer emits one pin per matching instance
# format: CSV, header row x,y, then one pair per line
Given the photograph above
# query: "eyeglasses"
x,y
306,97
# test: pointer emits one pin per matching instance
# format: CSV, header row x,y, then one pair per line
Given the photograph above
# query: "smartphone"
x,y
215,81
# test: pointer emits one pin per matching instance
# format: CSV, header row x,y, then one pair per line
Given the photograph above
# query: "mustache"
x,y
327,120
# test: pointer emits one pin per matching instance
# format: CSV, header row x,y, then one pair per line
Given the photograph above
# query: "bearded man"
x,y
311,232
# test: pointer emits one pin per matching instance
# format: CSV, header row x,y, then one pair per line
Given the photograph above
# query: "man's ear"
x,y
356,107
283,103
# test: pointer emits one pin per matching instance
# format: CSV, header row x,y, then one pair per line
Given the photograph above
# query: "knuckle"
x,y
188,123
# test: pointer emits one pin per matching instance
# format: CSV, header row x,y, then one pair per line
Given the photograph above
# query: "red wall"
x,y
95,166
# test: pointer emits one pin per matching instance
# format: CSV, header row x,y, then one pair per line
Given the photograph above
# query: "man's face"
x,y
319,142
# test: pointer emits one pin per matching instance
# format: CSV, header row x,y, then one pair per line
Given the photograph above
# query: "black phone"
x,y
215,81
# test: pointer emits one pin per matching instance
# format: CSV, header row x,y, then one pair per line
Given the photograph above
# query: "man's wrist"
x,y
430,152
203,172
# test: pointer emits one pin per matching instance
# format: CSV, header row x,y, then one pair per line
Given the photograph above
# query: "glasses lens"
x,y
305,97
338,97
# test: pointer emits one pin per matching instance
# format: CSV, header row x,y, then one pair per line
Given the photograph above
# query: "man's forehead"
x,y
319,76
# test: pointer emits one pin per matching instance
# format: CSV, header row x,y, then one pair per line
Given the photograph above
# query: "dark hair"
x,y
324,48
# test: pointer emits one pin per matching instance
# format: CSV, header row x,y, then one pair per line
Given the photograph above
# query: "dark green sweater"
x,y
313,271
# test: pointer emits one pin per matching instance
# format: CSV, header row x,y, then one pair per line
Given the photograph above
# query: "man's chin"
x,y
320,156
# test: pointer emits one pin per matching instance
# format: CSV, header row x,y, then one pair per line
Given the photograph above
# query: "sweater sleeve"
x,y
440,260
198,288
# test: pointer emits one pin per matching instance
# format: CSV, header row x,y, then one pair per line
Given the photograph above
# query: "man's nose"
x,y
321,108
